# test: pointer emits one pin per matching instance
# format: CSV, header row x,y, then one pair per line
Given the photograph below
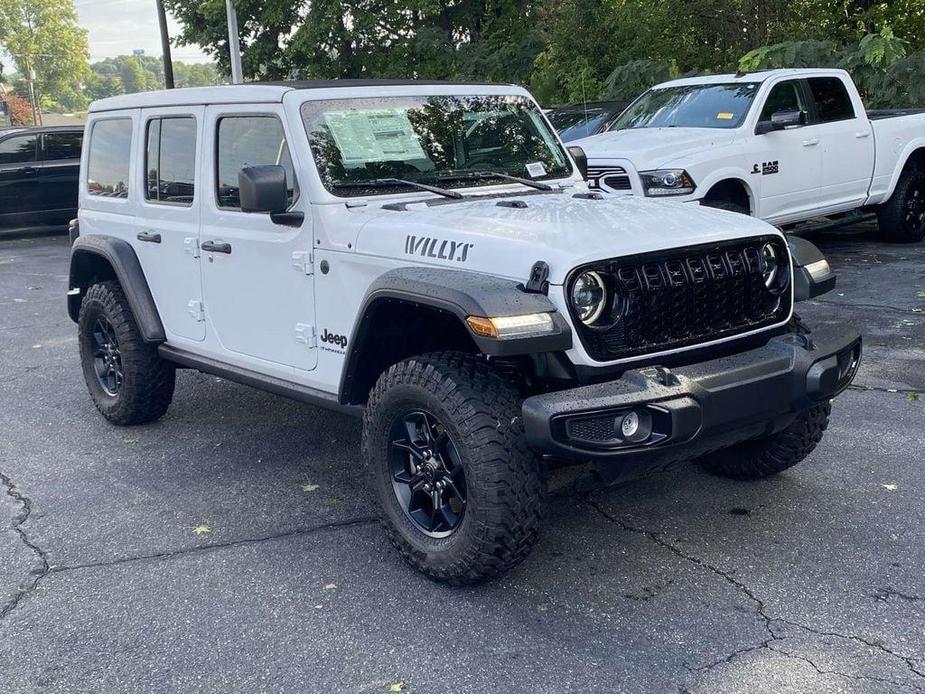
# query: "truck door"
x,y
167,226
257,275
787,163
59,175
847,144
18,176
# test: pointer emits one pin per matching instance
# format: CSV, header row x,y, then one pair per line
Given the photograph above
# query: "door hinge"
x,y
305,334
302,261
196,310
191,246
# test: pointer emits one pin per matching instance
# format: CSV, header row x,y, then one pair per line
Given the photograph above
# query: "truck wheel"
x,y
459,491
727,205
128,381
769,455
902,217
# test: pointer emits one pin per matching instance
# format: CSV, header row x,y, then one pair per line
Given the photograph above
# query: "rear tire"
x,y
770,455
902,217
475,412
128,382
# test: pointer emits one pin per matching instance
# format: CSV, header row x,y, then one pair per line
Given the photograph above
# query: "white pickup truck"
x,y
788,146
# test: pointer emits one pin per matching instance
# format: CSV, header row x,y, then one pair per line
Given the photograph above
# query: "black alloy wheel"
x,y
107,359
427,473
914,207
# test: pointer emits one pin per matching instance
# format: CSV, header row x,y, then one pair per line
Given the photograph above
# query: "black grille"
x,y
684,298
613,177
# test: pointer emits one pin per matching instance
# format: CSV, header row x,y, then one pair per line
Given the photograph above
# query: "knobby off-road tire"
x,y
479,411
902,217
770,455
141,388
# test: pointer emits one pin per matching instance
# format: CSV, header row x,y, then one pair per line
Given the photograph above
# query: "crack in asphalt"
x,y
882,389
170,554
767,644
879,307
19,519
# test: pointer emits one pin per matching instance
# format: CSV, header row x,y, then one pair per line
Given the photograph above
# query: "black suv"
x,y
38,177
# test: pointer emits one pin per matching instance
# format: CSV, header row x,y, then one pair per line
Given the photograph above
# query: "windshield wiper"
x,y
478,175
390,182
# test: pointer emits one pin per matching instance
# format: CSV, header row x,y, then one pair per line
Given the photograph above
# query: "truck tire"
x,y
727,205
770,455
902,217
459,492
128,382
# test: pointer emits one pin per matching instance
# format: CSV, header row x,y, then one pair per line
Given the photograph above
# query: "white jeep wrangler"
x,y
428,256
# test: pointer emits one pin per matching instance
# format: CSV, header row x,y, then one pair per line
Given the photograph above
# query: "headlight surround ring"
x,y
588,296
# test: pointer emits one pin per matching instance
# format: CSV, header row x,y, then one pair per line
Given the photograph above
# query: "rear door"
x,y
167,237
846,143
19,168
59,176
787,163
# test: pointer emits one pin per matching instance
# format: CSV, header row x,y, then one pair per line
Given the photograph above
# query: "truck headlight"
x,y
507,327
589,296
664,182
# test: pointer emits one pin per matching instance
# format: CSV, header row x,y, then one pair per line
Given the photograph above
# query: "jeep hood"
x,y
494,236
651,148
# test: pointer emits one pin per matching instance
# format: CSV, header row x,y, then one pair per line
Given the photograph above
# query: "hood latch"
x,y
539,278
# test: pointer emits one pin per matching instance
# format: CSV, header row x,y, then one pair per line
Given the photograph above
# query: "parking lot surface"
x,y
230,546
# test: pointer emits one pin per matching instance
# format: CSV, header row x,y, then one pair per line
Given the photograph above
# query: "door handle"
x,y
812,142
28,171
861,136
216,247
149,237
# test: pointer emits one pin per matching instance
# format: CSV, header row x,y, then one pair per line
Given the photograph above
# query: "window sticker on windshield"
x,y
536,169
725,115
365,136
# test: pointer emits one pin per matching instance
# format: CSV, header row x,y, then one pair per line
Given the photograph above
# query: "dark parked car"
x,y
39,170
584,120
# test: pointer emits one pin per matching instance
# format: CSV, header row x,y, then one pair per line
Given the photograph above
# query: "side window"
x,y
15,150
170,160
784,96
110,148
60,146
832,100
250,141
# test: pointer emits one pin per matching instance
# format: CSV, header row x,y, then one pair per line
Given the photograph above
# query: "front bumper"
x,y
697,408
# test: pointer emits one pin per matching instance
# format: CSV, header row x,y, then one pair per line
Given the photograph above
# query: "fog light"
x,y
635,426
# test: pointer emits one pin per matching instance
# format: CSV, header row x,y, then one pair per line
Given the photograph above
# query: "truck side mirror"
x,y
581,160
263,188
781,120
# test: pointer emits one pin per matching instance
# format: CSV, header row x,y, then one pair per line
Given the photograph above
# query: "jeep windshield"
x,y
448,141
690,106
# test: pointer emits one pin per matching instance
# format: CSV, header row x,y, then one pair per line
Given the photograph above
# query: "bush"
x,y
20,109
628,81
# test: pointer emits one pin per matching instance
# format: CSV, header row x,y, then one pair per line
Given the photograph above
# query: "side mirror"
x,y
263,188
781,120
581,160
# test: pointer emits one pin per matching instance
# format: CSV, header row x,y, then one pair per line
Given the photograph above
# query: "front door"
x,y
787,163
18,179
59,175
257,275
167,229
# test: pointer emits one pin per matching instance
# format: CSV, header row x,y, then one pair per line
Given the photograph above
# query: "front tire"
x,y
128,382
770,455
902,217
450,418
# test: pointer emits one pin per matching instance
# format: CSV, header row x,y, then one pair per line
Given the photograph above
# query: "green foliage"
x,y
810,53
126,74
628,81
44,36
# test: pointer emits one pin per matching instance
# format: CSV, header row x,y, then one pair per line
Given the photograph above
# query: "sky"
x,y
117,27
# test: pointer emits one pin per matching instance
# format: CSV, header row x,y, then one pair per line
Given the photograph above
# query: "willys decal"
x,y
443,249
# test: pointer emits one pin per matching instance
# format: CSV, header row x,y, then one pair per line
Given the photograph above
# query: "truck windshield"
x,y
690,106
440,140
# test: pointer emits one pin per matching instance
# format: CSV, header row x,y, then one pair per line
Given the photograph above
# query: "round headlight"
x,y
589,296
771,263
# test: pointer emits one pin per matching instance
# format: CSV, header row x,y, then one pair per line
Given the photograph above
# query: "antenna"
x,y
584,96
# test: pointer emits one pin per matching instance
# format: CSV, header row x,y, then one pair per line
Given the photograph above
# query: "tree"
x,y
43,35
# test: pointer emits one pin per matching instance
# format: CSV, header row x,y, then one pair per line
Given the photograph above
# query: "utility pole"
x,y
165,44
30,80
234,46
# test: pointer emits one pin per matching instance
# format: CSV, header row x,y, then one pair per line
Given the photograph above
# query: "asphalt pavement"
x,y
230,546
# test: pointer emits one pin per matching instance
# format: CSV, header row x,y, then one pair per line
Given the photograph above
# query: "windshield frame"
x,y
757,86
311,111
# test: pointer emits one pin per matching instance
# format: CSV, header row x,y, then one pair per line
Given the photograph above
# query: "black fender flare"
x,y
812,275
121,257
460,293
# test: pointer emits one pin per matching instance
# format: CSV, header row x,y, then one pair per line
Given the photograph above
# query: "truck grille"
x,y
684,298
613,177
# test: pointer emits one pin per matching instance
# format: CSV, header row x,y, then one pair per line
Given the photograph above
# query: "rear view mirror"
x,y
581,160
781,120
263,188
